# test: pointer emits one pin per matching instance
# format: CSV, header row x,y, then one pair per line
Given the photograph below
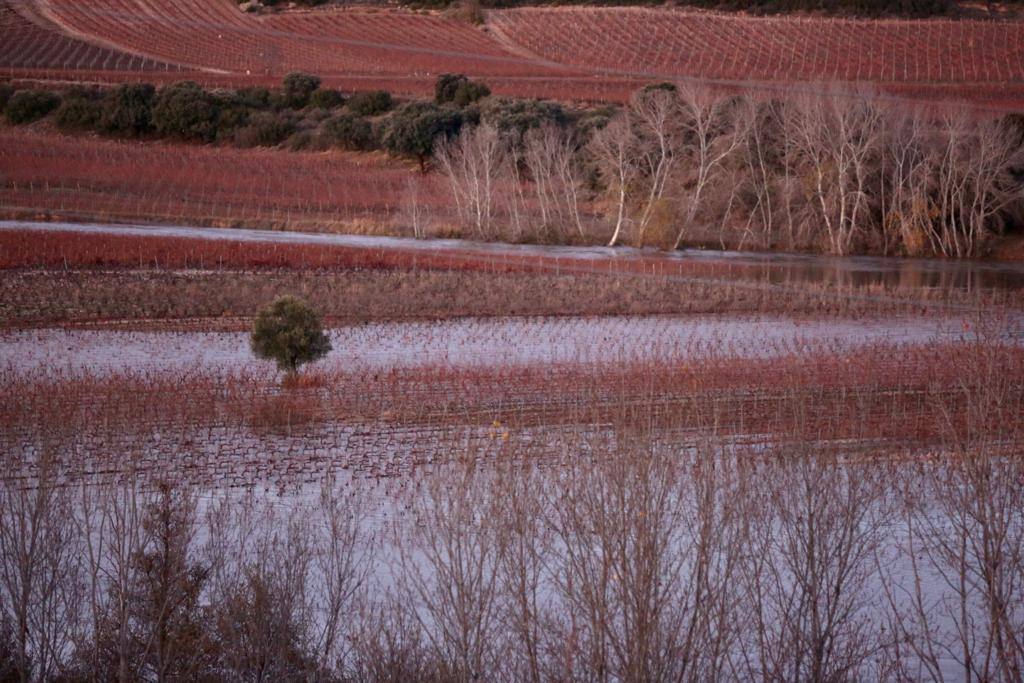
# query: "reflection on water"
x,y
865,271
773,268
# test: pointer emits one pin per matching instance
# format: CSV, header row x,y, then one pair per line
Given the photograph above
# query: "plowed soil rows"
x,y
525,52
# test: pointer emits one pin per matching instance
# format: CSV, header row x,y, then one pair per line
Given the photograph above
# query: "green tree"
x,y
351,132
370,103
298,88
515,117
470,92
446,85
265,129
26,106
6,91
80,109
128,110
326,99
458,90
186,111
413,129
289,332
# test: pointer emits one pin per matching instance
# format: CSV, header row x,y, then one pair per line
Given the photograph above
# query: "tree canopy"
x,y
289,332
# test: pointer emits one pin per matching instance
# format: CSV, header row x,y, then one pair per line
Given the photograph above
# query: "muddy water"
x,y
775,268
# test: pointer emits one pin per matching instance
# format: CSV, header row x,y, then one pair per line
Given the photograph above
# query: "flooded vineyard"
x,y
822,496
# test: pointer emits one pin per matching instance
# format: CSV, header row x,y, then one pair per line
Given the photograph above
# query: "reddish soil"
x,y
521,52
100,179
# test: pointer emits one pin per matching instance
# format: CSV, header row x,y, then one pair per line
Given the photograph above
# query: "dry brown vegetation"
x,y
228,299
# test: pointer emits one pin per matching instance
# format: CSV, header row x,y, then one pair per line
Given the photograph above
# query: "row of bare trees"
x,y
839,173
635,563
528,188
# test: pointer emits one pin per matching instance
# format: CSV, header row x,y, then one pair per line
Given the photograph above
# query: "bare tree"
x,y
656,112
260,569
975,182
616,151
838,138
110,524
449,573
809,571
474,163
164,595
764,154
524,541
550,155
957,594
713,128
620,573
906,178
343,560
413,211
39,570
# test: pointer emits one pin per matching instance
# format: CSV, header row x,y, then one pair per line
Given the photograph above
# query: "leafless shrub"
x,y
809,570
449,576
388,646
474,164
963,532
39,571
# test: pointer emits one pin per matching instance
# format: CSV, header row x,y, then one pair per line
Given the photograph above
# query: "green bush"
x,y
458,90
469,92
186,111
128,110
6,90
265,129
307,139
446,85
414,128
252,98
231,119
348,131
26,106
78,111
326,99
298,88
370,103
290,333
470,10
662,86
519,116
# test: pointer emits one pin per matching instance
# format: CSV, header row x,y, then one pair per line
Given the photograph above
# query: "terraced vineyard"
x,y
126,181
520,52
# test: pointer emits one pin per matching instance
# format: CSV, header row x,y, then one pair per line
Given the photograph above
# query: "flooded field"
x,y
466,343
531,497
774,268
